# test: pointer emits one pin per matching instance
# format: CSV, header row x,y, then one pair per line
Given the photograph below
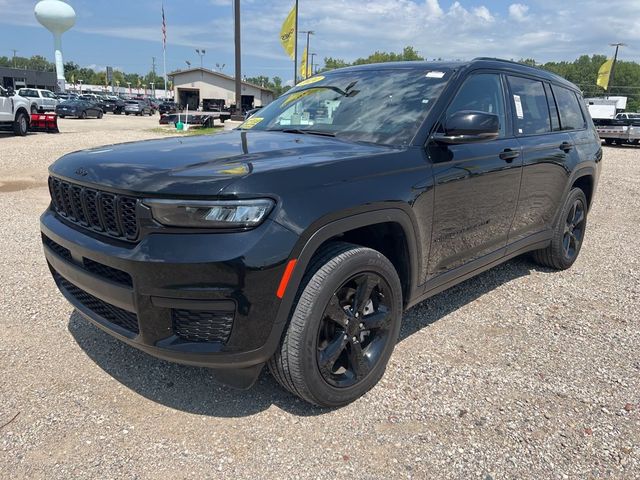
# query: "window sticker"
x,y
309,81
518,102
251,122
434,74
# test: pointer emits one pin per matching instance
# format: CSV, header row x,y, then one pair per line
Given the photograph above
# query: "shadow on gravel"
x,y
193,389
442,304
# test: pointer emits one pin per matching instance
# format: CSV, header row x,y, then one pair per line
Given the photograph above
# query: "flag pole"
x,y
295,59
615,59
164,51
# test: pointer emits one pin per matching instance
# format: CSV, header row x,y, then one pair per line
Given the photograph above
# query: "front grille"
x,y
104,212
202,326
59,249
111,313
110,273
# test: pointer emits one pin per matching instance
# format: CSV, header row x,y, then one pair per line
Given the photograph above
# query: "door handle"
x,y
508,155
566,146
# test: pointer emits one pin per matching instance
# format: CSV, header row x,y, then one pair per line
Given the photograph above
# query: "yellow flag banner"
x,y
288,33
304,66
604,74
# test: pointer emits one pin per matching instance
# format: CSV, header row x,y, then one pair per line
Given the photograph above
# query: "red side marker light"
x,y
286,276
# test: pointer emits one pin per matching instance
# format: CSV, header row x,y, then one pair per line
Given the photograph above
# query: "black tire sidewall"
x,y
558,235
18,130
318,389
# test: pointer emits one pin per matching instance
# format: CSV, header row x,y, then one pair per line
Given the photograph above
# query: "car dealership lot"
x,y
518,373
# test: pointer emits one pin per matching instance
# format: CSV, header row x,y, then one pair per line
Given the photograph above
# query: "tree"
x,y
408,54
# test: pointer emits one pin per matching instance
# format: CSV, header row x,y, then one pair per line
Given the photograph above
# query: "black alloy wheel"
x,y
574,229
343,328
568,233
354,329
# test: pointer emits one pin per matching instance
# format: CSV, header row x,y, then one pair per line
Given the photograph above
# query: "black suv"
x,y
298,239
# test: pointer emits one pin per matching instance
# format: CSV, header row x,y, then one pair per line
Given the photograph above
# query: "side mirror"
x,y
10,92
469,126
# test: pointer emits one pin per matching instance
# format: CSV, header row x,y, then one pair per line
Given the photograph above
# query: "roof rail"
x,y
494,59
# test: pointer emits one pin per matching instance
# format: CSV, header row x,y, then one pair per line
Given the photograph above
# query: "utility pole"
x,y
14,57
312,56
153,78
615,59
309,33
238,110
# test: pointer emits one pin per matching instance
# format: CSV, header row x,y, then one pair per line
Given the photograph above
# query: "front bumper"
x,y
203,299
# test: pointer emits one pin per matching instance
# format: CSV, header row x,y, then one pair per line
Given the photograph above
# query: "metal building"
x,y
20,78
207,89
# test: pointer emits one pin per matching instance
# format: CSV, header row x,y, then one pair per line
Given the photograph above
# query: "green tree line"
x,y
583,72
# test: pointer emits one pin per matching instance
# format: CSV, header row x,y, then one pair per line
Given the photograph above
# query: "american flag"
x,y
164,30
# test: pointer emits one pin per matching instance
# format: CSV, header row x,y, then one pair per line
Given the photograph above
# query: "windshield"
x,y
381,106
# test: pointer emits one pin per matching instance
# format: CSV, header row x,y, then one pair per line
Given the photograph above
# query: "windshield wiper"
x,y
303,131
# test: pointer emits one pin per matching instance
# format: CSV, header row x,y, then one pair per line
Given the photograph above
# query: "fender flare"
x,y
310,242
582,171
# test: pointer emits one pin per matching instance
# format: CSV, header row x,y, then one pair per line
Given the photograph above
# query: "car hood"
x,y
201,165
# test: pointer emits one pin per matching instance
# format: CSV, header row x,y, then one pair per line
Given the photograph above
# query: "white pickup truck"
x,y
14,112
41,100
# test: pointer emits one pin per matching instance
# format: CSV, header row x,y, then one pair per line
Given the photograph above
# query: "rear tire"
x,y
100,114
608,141
568,234
344,326
34,109
83,115
21,124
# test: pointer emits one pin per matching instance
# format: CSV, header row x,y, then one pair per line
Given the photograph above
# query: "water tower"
x,y
57,17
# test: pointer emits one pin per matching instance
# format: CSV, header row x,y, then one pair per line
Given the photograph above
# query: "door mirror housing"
x,y
10,92
469,126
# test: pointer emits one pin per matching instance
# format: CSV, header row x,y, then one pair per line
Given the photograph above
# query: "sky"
x,y
127,34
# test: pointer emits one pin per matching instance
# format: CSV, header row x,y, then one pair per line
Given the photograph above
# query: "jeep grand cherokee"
x,y
298,239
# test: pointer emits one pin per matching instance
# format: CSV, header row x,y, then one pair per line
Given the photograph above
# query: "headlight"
x,y
210,214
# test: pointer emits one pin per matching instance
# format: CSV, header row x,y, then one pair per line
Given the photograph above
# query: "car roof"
x,y
506,66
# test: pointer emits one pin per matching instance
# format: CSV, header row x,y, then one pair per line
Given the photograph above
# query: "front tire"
x,y
21,124
568,234
83,115
344,326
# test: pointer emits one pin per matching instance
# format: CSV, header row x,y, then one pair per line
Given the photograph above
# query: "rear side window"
x,y
569,108
530,106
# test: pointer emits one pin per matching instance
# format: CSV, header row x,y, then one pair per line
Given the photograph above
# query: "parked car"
x,y
14,112
154,103
79,108
41,100
66,96
298,239
168,107
113,104
137,107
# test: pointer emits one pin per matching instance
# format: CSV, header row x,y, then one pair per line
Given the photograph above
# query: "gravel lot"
x,y
518,373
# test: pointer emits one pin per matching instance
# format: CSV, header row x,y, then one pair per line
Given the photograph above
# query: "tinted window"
x,y
570,114
384,105
482,92
530,106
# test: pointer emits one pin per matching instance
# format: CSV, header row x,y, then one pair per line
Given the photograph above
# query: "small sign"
x,y
434,74
518,102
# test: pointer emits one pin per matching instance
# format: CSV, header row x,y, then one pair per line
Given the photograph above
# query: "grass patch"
x,y
188,133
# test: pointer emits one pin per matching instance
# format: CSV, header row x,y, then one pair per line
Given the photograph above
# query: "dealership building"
x,y
200,87
19,78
